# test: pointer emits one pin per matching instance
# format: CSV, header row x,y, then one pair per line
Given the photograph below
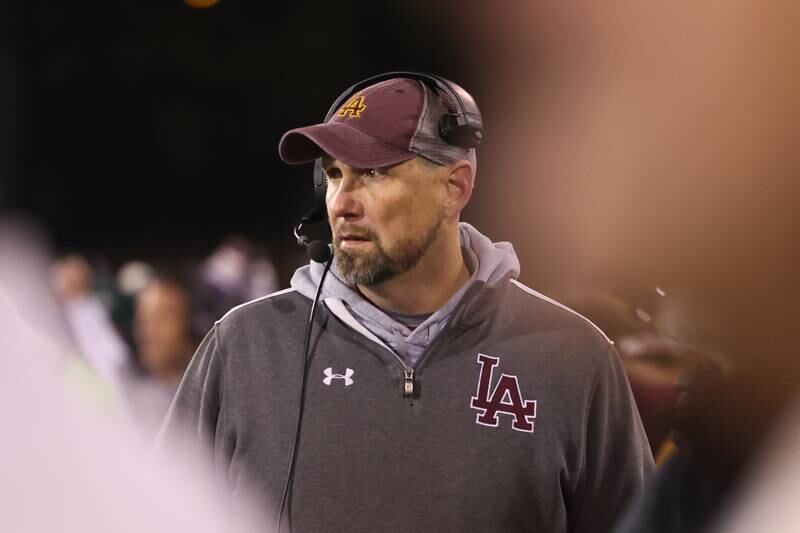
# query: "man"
x,y
442,394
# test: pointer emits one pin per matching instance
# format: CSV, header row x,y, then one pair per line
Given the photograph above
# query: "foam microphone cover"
x,y
319,251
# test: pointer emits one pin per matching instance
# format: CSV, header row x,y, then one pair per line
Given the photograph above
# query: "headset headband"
x,y
467,113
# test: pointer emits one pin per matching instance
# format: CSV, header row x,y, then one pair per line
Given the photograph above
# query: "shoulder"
x,y
547,313
274,306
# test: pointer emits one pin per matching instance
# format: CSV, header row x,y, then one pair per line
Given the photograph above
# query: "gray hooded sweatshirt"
x,y
505,412
488,262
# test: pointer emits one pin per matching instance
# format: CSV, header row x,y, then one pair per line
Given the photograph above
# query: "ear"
x,y
458,187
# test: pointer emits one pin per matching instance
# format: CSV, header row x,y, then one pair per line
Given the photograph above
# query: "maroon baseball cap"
x,y
382,125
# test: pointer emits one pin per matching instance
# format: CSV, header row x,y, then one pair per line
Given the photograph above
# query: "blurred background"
x,y
151,130
641,158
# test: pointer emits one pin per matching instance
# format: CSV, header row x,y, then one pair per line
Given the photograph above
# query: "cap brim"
x,y
351,146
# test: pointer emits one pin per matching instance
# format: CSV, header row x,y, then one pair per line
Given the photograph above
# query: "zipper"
x,y
408,375
408,382
408,372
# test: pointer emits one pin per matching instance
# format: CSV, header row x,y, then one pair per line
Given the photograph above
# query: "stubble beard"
x,y
378,265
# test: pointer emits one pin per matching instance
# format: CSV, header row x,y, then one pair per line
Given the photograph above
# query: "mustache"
x,y
353,230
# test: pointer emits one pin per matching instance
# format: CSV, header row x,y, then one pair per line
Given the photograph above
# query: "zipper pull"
x,y
408,382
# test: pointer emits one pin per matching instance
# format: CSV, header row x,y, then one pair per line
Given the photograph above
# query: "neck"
x,y
429,284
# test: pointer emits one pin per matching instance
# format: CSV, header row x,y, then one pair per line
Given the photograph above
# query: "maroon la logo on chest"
x,y
504,399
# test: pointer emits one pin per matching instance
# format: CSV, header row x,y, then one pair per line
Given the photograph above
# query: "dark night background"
x,y
151,128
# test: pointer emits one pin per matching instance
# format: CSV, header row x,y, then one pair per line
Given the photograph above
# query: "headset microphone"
x,y
321,252
317,250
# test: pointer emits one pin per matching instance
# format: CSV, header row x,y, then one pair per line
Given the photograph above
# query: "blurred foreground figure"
x,y
672,134
65,468
767,497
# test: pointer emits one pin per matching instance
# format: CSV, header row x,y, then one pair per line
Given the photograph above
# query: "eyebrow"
x,y
328,164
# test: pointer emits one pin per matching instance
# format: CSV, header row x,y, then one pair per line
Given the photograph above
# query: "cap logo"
x,y
353,108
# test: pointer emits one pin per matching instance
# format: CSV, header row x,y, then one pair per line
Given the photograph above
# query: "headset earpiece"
x,y
320,185
459,133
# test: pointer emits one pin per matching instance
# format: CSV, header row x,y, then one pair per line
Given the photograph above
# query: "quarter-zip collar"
x,y
493,264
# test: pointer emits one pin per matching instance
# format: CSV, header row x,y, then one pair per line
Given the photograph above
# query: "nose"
x,y
343,200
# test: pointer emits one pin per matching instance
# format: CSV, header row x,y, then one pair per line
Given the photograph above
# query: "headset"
x,y
462,126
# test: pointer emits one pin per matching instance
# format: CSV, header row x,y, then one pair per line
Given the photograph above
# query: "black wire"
x,y
286,498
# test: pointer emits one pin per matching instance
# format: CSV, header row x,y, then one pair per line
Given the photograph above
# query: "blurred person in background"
x,y
659,367
173,307
89,319
238,270
662,371
143,376
165,336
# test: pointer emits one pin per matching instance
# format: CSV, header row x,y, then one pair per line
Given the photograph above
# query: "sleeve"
x,y
195,413
617,457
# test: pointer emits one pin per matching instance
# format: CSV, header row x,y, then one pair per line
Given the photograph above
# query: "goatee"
x,y
379,264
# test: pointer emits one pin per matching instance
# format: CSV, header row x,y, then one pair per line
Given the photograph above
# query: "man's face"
x,y
383,220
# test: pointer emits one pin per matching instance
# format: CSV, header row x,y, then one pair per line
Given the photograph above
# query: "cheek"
x,y
408,220
403,212
422,210
392,219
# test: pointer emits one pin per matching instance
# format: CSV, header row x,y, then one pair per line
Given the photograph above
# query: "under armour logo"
x,y
506,398
330,376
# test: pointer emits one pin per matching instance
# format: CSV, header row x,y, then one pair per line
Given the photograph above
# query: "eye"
x,y
374,172
332,174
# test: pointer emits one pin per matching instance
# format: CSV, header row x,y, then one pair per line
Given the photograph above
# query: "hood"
x,y
489,263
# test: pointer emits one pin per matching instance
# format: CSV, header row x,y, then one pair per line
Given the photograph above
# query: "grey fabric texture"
x,y
371,459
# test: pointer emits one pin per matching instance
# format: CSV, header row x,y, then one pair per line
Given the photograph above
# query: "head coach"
x,y
410,382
